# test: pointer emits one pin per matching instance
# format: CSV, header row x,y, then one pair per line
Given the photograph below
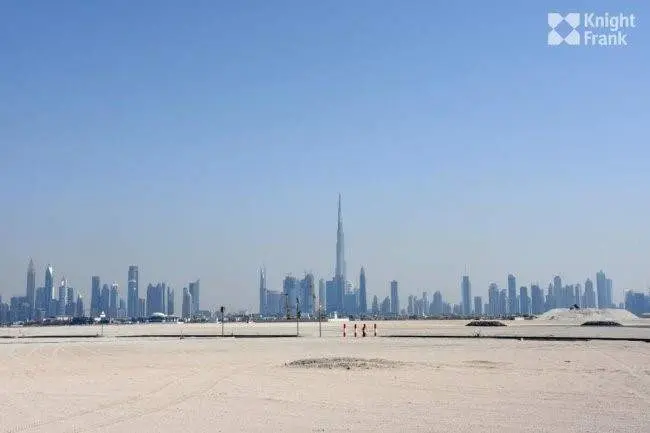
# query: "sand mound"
x,y
601,323
485,323
344,363
588,314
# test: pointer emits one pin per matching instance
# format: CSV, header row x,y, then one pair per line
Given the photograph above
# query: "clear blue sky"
x,y
203,139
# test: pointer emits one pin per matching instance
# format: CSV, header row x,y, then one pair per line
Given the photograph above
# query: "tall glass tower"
x,y
339,273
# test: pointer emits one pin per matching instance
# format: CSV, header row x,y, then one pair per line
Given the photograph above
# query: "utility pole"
x,y
223,309
297,317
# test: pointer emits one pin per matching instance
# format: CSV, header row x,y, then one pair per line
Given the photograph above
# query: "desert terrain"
x,y
119,383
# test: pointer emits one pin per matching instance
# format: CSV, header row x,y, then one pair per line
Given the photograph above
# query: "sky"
x,y
204,139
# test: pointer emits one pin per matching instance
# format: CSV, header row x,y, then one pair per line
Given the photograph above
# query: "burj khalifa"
x,y
339,273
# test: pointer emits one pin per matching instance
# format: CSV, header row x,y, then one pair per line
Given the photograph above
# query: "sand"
x,y
586,314
395,384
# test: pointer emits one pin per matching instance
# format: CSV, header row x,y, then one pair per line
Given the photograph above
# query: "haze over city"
x,y
206,142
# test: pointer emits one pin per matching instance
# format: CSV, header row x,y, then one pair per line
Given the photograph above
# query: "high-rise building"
x,y
466,292
132,295
589,297
493,300
385,308
478,306
79,306
331,296
503,303
339,272
114,301
195,292
375,305
62,293
537,299
70,307
524,301
31,288
49,306
263,294
170,301
394,298
95,296
105,302
363,296
307,294
156,298
436,306
142,308
290,288
601,290
609,301
512,295
187,304
556,298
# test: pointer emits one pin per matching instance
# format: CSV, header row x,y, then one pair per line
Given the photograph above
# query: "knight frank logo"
x,y
572,21
590,29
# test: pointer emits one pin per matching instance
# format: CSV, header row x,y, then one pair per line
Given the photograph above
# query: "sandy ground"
x,y
636,329
207,385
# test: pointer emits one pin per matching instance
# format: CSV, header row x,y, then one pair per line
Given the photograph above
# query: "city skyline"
x,y
224,132
467,301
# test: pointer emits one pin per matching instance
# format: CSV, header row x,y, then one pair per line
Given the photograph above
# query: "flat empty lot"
x,y
434,385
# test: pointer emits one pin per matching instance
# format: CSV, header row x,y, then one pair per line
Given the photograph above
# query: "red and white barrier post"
x,y
355,330
363,330
375,329
344,330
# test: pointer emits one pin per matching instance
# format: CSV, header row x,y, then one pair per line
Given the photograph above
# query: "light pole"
x,y
222,309
297,317
320,315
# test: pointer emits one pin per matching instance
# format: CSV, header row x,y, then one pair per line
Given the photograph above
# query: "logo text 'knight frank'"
x,y
590,29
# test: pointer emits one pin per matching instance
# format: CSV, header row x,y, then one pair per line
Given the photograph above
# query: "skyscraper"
x,y
133,300
187,304
307,293
156,298
524,303
114,300
95,296
466,292
394,298
493,300
31,287
290,288
589,300
478,306
363,297
49,306
339,273
603,290
62,293
556,300
105,303
195,292
170,301
512,295
263,300
537,299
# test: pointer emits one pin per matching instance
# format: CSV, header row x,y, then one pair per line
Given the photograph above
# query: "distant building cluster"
x,y
65,303
340,296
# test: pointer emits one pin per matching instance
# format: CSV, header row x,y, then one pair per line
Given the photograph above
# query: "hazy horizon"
x,y
206,140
